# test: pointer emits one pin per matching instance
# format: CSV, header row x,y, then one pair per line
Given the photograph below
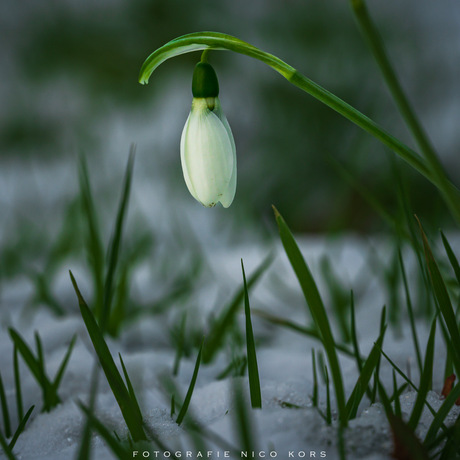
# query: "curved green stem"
x,y
218,41
377,47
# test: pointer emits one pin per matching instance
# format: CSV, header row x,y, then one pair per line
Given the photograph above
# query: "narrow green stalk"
x,y
314,397
5,411
253,370
316,308
410,312
377,47
188,396
354,337
17,383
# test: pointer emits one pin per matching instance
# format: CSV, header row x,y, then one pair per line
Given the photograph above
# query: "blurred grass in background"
x,y
70,68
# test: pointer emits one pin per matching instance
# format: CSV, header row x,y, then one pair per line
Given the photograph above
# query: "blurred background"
x,y
69,86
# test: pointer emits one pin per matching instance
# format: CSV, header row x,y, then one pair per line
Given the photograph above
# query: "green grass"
x,y
331,316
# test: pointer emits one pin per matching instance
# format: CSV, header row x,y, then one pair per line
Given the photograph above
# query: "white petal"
x,y
207,155
229,193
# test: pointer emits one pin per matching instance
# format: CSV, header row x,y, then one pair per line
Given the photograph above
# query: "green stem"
x,y
377,47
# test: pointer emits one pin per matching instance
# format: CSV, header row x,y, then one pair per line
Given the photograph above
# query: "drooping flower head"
x,y
207,148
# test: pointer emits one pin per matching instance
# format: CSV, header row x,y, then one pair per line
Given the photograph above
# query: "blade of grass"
x,y
20,428
377,367
129,385
328,398
244,425
410,312
85,444
377,47
364,378
316,308
452,259
114,445
62,367
452,447
36,366
354,336
441,414
253,371
94,241
131,415
17,383
188,396
310,332
442,296
6,449
5,411
425,379
314,398
406,444
115,243
180,345
398,411
222,326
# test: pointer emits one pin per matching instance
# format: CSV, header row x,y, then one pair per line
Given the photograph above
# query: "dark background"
x,y
69,85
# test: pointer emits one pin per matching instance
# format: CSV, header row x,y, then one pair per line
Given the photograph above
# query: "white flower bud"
x,y
208,154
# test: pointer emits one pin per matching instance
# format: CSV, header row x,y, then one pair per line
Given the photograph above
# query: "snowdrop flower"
x,y
207,148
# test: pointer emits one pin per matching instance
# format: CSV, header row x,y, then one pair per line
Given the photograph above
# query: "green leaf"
x,y
5,411
253,371
222,325
131,392
17,383
452,258
94,241
441,414
61,370
131,414
115,446
8,452
20,428
188,396
114,247
442,296
425,379
364,378
316,308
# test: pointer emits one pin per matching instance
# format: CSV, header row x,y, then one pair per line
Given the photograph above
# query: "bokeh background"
x,y
69,86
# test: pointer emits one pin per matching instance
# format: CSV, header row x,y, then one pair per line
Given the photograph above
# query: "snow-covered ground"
x,y
284,359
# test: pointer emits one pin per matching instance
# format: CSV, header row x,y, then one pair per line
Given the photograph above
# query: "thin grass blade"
x,y
94,240
316,308
5,411
8,452
452,258
425,379
188,396
222,325
129,410
62,367
354,335
114,445
253,370
20,427
129,385
17,384
364,378
444,303
441,414
115,243
410,312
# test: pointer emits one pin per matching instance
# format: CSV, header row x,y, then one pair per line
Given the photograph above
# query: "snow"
x,y
284,359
